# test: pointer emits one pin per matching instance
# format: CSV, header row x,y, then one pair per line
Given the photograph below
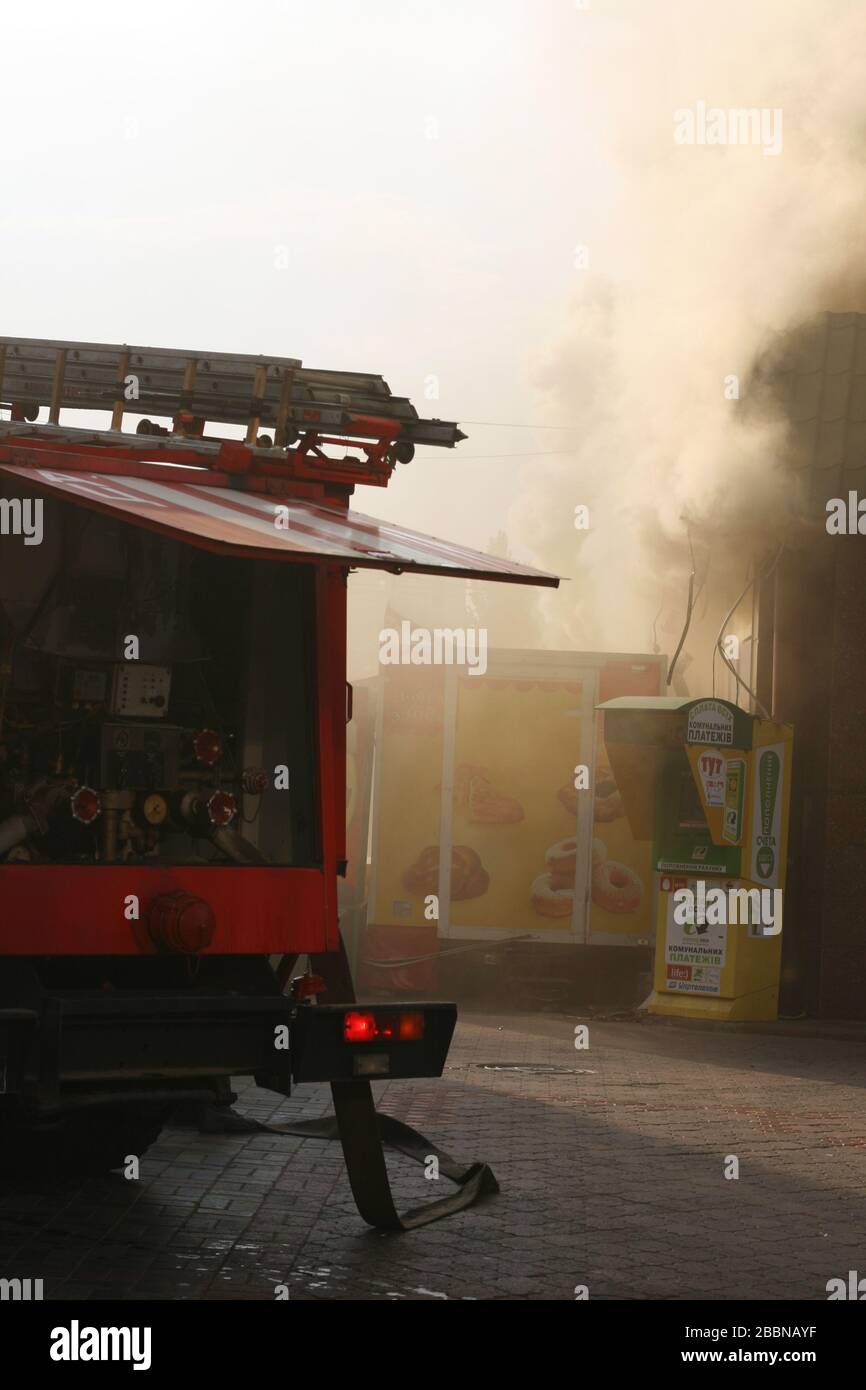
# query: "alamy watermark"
x,y
438,646
715,125
20,1290
846,516
712,906
22,517
77,1343
853,1288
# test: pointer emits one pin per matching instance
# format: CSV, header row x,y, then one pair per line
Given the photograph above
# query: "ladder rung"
x,y
57,387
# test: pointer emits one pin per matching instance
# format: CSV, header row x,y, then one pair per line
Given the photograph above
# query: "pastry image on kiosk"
x,y
709,785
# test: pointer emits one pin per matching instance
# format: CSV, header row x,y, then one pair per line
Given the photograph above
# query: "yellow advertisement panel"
x,y
407,796
621,882
514,808
509,772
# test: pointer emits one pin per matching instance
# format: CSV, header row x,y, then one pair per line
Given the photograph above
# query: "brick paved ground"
x,y
611,1164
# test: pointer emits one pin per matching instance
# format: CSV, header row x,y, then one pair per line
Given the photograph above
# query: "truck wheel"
x,y
91,1140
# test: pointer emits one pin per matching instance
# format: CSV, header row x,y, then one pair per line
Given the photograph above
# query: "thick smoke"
x,y
701,257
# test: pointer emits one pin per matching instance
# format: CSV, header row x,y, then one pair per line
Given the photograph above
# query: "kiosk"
x,y
709,785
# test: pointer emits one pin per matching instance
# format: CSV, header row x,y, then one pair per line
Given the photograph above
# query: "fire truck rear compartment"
x,y
150,691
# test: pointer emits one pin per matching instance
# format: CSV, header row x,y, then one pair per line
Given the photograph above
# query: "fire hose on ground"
x,y
364,1134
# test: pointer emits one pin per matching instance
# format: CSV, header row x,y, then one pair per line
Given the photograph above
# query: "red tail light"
x,y
383,1026
180,921
411,1027
359,1027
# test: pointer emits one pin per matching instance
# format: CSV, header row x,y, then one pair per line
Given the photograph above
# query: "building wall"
x,y
819,686
815,607
795,607
843,901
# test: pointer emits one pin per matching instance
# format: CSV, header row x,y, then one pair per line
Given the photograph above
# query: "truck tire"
x,y
92,1140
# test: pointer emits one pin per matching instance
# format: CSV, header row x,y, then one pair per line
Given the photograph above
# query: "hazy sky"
x,y
403,188
381,186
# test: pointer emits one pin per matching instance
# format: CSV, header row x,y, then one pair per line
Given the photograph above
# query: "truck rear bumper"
x,y
78,1043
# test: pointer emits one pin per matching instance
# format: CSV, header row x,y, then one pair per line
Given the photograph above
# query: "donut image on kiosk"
x,y
709,785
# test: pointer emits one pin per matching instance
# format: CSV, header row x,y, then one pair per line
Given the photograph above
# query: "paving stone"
x,y
612,1175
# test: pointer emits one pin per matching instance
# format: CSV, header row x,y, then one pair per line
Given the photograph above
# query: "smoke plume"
x,y
699,259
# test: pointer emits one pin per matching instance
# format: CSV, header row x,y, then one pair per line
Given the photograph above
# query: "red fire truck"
x,y
173,706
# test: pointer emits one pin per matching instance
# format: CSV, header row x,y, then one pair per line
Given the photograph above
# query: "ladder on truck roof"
x,y
288,412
